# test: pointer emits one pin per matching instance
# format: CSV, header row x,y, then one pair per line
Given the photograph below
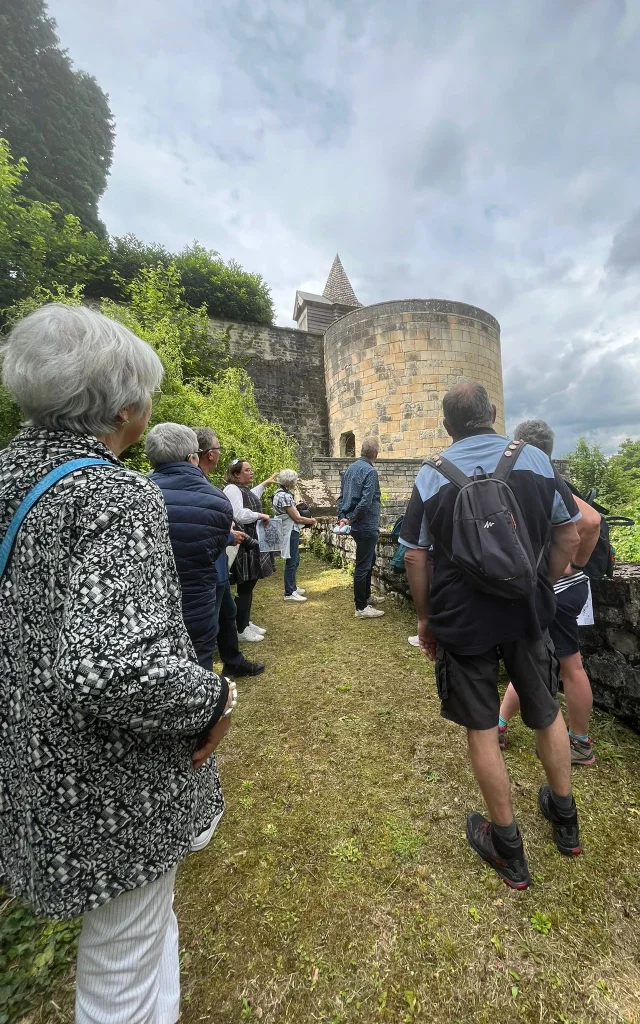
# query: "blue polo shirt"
x,y
466,620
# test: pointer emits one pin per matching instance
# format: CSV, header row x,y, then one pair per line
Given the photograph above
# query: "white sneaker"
x,y
368,613
300,590
257,629
414,641
294,597
250,636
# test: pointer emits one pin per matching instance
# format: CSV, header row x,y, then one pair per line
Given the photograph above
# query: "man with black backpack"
x,y
572,592
502,525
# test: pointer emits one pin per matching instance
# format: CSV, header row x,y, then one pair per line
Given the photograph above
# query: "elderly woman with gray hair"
x,y
108,722
284,507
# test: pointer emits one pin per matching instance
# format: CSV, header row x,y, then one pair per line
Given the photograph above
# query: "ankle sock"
x,y
578,736
508,833
563,803
502,722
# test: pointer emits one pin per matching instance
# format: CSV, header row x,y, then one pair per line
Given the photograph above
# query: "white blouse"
x,y
240,513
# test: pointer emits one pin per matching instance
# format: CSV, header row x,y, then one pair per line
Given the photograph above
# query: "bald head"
x,y
467,407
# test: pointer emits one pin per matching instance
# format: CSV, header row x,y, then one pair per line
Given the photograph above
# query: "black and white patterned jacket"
x,y
101,700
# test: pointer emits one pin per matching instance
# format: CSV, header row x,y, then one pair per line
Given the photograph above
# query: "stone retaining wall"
x,y
610,648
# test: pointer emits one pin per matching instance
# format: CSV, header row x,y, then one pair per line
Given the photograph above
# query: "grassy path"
x,y
339,888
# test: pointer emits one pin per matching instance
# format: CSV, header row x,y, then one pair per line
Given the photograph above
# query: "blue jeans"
x,y
205,642
365,561
230,654
291,564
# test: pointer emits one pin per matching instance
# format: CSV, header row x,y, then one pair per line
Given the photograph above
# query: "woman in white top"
x,y
249,565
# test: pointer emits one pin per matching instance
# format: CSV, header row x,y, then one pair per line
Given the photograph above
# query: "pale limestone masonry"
x,y
388,366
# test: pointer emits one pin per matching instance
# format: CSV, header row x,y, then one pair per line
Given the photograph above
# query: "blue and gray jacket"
x,y
359,500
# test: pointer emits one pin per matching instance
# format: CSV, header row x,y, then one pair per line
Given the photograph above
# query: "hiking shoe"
x,y
502,737
247,668
506,859
368,613
414,641
566,835
294,597
257,629
581,751
249,635
374,600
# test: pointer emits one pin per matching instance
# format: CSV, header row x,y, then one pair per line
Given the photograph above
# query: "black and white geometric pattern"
x,y
101,700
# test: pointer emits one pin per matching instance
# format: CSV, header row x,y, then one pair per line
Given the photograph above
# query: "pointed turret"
x,y
317,312
338,287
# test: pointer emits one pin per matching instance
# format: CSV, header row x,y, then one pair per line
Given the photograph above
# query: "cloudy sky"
x,y
485,152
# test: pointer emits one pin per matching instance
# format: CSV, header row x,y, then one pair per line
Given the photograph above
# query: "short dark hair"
x,y
467,405
536,432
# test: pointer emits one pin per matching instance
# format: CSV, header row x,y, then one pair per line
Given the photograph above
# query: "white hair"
x,y
71,368
287,478
538,433
170,442
370,448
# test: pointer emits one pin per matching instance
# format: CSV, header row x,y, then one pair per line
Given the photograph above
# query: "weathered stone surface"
x,y
287,370
407,354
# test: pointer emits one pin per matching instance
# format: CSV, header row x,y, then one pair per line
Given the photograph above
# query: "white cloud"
x,y
486,153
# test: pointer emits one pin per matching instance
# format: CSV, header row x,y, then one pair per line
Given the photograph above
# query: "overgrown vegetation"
x,y
617,482
182,337
339,888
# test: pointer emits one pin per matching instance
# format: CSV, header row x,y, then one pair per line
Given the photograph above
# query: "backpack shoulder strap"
x,y
454,475
508,460
33,497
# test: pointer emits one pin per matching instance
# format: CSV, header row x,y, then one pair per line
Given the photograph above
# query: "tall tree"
x,y
54,116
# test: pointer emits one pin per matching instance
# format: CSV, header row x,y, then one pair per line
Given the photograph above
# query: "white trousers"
x,y
128,970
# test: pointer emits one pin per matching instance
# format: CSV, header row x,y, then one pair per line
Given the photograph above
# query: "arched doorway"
x,y
348,444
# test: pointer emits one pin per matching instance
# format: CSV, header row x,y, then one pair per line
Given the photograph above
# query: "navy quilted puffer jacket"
x,y
200,518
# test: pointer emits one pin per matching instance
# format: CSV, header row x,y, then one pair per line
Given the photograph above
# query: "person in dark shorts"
x,y
467,631
572,592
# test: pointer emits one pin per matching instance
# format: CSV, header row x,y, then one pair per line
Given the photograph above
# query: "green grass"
x,y
339,887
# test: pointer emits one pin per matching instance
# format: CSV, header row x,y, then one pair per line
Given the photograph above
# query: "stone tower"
x,y
388,366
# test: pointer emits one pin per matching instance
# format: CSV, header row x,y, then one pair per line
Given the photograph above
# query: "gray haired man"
x,y
359,507
466,630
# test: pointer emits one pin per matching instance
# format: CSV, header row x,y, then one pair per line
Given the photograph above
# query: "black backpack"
x,y
491,545
602,560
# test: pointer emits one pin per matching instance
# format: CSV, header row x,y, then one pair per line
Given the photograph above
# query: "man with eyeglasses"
x,y
233,661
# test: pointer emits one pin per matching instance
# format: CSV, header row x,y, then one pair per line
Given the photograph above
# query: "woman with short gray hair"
x,y
284,507
105,714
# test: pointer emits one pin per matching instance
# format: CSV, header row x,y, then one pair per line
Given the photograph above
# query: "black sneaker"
x,y
506,859
566,834
247,668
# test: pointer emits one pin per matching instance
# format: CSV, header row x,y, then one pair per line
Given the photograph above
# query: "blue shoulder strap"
x,y
33,496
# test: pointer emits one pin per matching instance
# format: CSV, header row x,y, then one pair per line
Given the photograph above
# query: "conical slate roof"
x,y
338,287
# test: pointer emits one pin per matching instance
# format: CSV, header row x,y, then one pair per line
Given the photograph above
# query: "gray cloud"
x,y
625,248
486,153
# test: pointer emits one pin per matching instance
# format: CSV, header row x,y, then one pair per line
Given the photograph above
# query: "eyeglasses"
x,y
203,451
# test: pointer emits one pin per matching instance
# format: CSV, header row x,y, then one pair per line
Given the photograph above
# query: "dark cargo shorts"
x,y
468,683
564,628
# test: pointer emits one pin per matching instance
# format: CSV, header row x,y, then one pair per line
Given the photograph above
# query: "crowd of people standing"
x,y
115,591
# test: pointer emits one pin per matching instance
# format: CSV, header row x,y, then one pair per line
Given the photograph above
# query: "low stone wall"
x,y
610,648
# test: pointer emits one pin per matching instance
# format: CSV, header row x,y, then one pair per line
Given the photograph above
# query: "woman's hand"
x,y
238,536
265,518
219,730
311,522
